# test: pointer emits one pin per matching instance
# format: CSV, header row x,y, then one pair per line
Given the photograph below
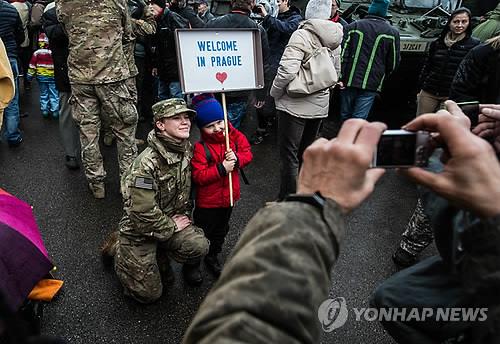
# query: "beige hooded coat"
x,y
311,34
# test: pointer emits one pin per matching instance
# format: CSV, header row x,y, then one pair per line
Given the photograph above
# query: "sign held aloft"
x,y
219,60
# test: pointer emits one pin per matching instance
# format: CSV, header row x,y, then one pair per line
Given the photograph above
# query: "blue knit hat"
x,y
379,8
208,109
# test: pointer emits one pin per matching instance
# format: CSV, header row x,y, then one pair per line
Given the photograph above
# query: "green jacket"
x,y
156,186
489,28
279,274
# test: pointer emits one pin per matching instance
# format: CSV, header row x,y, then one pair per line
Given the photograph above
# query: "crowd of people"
x,y
103,66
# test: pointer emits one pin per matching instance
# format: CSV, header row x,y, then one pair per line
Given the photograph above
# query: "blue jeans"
x,y
169,90
356,103
235,112
11,112
49,96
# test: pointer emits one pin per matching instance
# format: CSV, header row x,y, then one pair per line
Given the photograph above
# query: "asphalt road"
x,y
91,307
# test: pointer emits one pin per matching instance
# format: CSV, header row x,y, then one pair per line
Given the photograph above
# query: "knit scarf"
x,y
449,40
172,145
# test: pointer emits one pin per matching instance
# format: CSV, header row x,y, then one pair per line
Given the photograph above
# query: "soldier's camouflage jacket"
x,y
97,30
277,277
140,27
156,186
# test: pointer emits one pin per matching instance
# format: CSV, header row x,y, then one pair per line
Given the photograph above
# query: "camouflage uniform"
x,y
155,188
98,70
279,274
418,233
140,27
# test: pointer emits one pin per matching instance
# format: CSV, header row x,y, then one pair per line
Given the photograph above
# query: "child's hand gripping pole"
x,y
228,147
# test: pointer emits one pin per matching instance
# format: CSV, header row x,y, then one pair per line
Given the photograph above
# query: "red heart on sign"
x,y
221,77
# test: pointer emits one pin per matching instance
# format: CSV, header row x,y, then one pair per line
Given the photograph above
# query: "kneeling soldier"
x,y
157,223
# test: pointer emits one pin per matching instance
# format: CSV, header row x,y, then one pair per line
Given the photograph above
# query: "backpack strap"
x,y
243,175
207,152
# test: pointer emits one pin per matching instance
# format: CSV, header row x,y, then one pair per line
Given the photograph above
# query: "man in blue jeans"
x,y
12,35
370,53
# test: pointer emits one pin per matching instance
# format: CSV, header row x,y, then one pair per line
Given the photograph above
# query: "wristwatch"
x,y
315,199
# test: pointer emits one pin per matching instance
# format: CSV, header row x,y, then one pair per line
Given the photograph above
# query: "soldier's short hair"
x,y
171,107
241,4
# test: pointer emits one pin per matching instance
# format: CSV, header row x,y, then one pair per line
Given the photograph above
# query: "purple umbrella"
x,y
23,258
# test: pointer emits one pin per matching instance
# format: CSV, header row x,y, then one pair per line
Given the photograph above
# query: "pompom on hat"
x,y
379,8
318,9
208,109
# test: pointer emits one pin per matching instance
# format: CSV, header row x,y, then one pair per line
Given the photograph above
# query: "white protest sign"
x,y
219,60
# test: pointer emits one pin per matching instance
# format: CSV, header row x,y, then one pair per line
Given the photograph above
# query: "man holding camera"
x,y
263,290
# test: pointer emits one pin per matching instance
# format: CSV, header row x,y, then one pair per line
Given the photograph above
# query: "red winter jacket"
x,y
212,188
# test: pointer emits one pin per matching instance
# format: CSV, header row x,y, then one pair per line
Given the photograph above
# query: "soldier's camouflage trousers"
x,y
90,104
418,234
132,90
137,263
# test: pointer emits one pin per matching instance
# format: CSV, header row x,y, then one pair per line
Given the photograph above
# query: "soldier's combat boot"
x,y
404,258
166,271
108,248
213,264
192,274
167,274
98,190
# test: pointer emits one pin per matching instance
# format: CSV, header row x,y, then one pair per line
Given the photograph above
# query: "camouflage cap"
x,y
171,107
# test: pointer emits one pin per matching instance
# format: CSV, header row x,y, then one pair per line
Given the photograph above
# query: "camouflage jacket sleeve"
x,y
139,189
128,33
143,27
279,274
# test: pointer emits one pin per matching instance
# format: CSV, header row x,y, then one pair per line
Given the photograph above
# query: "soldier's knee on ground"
x,y
144,295
139,275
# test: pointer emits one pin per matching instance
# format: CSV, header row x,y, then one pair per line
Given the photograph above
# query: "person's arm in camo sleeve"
x,y
139,191
146,25
279,274
128,32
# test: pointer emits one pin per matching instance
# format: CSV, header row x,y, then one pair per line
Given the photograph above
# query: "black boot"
x,y
213,264
167,274
404,258
166,271
192,274
108,249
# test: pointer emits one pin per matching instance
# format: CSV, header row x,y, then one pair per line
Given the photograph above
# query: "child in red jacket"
x,y
211,165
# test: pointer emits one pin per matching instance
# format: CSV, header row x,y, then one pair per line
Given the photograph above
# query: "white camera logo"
x,y
333,313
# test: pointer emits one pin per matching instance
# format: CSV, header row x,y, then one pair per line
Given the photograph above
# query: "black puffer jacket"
x,y
279,31
478,76
11,28
59,46
165,57
442,62
188,13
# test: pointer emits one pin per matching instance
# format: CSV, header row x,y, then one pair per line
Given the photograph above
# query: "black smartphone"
x,y
402,148
471,110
